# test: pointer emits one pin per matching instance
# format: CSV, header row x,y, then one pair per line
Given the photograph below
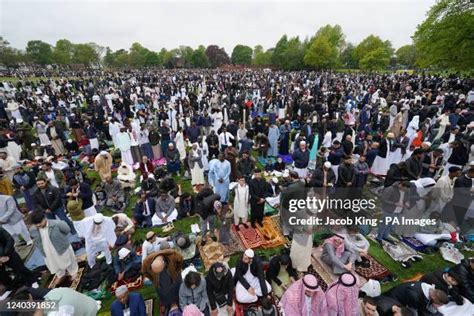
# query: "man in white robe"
x,y
12,220
124,143
99,232
50,236
219,177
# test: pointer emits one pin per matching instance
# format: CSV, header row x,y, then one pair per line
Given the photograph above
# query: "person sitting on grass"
x,y
127,265
281,274
165,211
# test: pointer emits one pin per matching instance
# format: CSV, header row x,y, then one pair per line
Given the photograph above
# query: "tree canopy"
x,y
241,55
446,38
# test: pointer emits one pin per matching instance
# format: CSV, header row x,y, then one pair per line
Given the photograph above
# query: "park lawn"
x,y
429,263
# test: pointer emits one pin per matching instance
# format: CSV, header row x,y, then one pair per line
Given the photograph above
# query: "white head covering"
x,y
328,164
249,253
424,186
98,218
123,253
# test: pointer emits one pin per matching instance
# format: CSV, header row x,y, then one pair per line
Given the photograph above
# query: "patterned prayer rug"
x,y
67,282
375,271
211,252
414,243
249,237
131,285
234,246
271,233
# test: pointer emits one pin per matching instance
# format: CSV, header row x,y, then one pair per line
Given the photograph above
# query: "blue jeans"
x,y
384,230
59,213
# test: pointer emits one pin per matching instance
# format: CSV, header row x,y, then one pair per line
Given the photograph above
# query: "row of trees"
x,y
63,53
444,41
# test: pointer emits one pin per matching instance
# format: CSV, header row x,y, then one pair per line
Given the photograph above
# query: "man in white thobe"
x,y
124,143
12,220
99,232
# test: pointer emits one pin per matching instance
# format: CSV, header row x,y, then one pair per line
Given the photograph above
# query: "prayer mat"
x,y
264,161
67,282
269,210
400,252
35,260
375,271
24,251
211,252
149,307
321,282
234,246
417,277
414,243
250,237
287,159
159,162
325,270
132,285
271,233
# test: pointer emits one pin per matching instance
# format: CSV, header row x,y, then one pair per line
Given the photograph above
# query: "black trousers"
x,y
256,213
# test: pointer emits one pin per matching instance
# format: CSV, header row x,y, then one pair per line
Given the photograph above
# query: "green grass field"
x,y
430,262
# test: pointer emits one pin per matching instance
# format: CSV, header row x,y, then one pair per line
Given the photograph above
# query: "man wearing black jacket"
x,y
258,189
10,258
220,287
414,164
420,296
465,272
250,285
48,200
277,263
446,281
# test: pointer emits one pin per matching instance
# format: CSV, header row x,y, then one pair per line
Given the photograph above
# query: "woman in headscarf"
x,y
342,296
163,268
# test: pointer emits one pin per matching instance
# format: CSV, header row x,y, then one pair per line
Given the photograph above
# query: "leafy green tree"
x,y
122,58
63,51
241,55
334,35
261,57
39,52
294,54
138,55
446,38
278,57
152,59
199,58
185,54
217,56
375,60
9,56
347,57
371,47
165,57
406,56
84,54
321,54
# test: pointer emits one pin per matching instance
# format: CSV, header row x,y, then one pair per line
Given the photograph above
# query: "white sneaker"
x,y
29,243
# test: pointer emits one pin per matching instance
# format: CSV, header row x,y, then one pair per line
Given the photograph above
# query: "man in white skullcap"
x,y
99,232
251,282
301,160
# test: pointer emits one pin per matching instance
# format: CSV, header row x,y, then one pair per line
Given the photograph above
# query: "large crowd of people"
x,y
153,148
